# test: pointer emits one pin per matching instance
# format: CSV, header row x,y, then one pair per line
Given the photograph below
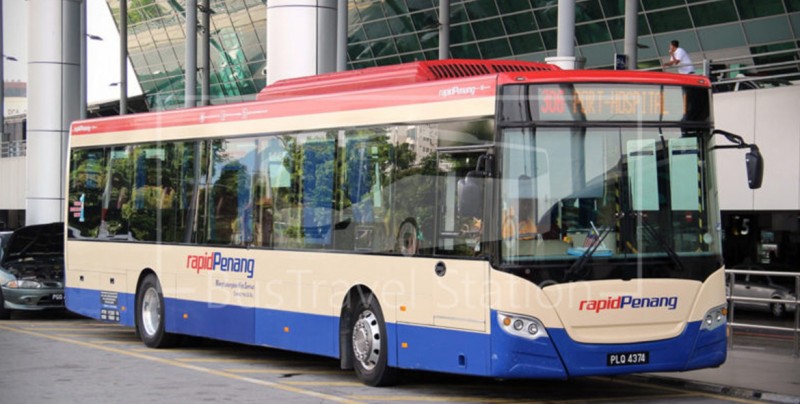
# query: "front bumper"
x,y
559,356
33,299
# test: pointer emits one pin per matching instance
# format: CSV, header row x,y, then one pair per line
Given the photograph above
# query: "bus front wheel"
x,y
150,315
370,344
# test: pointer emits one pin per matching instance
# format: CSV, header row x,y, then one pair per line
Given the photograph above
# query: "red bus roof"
x,y
396,75
409,83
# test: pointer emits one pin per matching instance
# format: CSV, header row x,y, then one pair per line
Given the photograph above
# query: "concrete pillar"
x,y
341,36
53,102
565,53
123,57
190,74
301,38
444,29
632,32
205,53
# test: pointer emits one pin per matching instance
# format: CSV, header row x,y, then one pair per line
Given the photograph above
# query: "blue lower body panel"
x,y
497,354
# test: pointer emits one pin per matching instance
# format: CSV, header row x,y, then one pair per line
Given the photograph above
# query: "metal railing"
x,y
735,73
13,148
732,299
731,73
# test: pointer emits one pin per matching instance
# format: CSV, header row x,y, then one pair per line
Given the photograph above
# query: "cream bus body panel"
x,y
294,281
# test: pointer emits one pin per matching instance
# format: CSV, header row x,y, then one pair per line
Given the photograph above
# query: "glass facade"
x,y
385,32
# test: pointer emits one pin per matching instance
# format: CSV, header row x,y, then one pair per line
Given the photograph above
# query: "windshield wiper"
x,y
574,271
661,242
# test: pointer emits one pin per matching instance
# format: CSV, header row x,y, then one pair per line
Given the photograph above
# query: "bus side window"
x,y
413,198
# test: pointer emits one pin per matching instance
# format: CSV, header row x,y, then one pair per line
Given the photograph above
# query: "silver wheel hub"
x,y
367,340
151,311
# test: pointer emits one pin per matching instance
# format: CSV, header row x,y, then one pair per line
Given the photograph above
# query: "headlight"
x,y
714,318
525,327
24,284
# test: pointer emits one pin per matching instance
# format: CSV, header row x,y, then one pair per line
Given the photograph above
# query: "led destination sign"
x,y
604,102
593,102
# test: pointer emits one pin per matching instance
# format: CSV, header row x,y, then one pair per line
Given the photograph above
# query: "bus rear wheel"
x,y
370,345
150,315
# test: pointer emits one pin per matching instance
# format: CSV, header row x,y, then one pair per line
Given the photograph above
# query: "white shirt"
x,y
684,62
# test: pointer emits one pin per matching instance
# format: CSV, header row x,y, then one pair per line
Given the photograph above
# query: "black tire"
x,y
777,310
150,317
5,314
370,345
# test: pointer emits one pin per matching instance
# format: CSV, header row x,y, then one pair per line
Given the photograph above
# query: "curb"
x,y
730,391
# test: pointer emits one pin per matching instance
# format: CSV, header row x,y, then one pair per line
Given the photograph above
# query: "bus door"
x,y
460,277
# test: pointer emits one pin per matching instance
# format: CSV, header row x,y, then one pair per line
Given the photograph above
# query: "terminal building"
x,y
740,44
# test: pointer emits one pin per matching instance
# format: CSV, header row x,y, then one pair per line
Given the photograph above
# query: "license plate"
x,y
57,297
628,358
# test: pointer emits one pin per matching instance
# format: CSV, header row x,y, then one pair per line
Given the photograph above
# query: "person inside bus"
x,y
522,226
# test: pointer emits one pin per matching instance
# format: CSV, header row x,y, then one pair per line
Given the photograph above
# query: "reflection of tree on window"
x,y
232,208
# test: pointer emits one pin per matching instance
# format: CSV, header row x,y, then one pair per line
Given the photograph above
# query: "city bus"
x,y
494,218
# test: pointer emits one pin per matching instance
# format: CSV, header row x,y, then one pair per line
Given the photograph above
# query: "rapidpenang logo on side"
x,y
215,261
622,302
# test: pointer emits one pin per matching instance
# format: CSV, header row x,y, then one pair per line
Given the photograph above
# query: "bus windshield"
x,y
606,192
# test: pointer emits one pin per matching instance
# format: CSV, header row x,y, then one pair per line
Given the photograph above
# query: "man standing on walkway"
x,y
678,56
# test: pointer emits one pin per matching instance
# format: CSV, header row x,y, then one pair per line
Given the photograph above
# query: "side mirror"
x,y
755,168
753,159
470,194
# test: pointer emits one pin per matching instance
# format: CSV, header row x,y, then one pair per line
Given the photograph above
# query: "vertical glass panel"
x,y
426,20
526,43
768,30
414,189
488,29
669,20
758,8
416,5
617,28
792,5
466,51
613,8
280,156
230,206
479,9
550,39
401,25
377,29
272,186
459,233
721,37
716,12
408,43
510,6
519,23
363,196
643,179
395,7
87,181
656,4
458,14
547,18
495,49
316,151
684,170
461,33
592,33
587,11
